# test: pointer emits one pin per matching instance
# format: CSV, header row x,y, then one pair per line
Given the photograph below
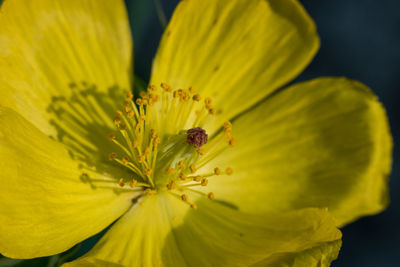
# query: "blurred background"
x,y
359,40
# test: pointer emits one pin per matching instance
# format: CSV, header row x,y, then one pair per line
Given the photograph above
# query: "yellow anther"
x,y
121,182
191,90
130,114
166,87
118,113
185,197
204,182
143,94
150,192
133,183
112,156
229,170
126,103
141,159
152,88
170,171
184,95
153,133
196,97
212,111
122,127
200,151
211,195
193,206
227,126
111,136
181,165
139,102
135,144
232,142
142,117
197,178
182,176
156,142
217,171
117,120
192,168
207,101
148,171
129,95
171,185
127,110
125,160
146,151
145,101
175,94
150,101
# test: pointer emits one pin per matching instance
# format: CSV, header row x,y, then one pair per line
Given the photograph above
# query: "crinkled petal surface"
x,y
163,231
45,206
46,46
236,52
321,143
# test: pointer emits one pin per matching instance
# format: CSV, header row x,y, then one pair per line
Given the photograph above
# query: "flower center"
x,y
163,144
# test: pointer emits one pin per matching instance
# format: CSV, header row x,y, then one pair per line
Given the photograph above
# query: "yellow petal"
x,y
47,45
236,52
139,237
160,231
319,256
46,206
321,143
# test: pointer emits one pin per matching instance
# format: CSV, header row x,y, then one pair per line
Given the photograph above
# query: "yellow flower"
x,y
211,167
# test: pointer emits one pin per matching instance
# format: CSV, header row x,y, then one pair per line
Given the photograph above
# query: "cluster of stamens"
x,y
150,130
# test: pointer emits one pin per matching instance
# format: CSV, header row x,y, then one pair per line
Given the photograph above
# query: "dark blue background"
x,y
360,39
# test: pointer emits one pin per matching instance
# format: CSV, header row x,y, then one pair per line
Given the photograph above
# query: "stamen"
x,y
112,156
171,185
184,197
182,176
150,191
204,182
164,144
181,165
192,168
